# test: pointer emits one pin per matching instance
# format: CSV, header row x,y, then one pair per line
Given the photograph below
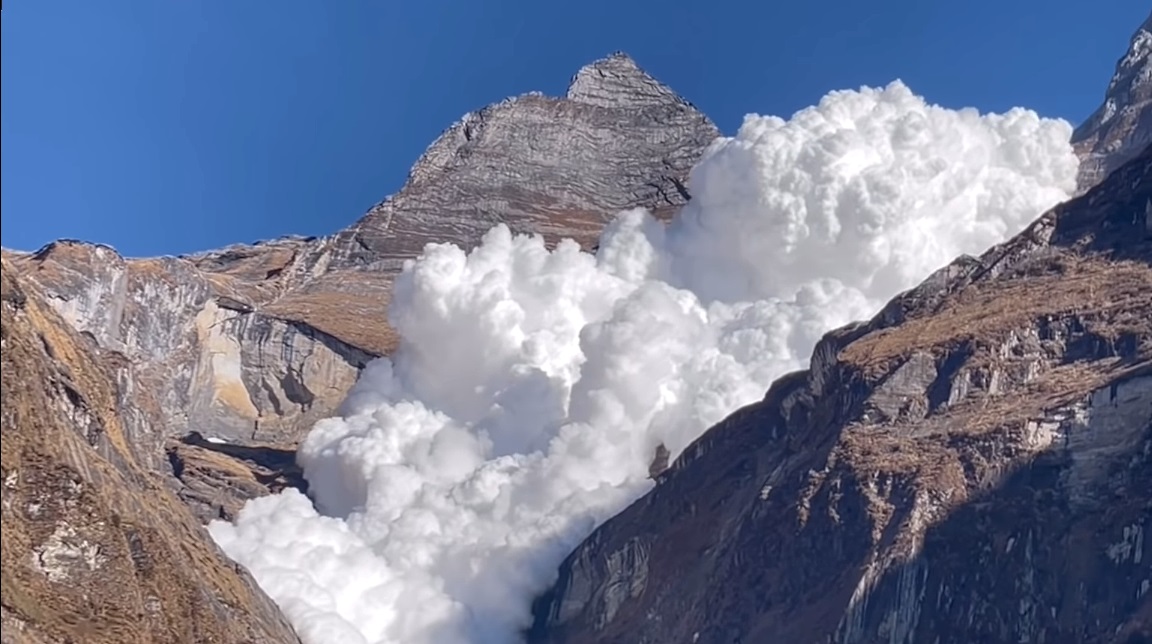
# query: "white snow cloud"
x,y
531,387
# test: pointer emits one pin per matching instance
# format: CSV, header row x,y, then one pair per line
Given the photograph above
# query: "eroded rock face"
x,y
200,352
1122,126
972,465
95,547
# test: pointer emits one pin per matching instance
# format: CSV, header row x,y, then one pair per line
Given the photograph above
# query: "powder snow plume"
x,y
531,387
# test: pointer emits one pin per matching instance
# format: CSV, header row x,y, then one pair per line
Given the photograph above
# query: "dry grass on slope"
x,y
95,549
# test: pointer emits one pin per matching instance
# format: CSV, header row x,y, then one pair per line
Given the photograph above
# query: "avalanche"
x,y
531,387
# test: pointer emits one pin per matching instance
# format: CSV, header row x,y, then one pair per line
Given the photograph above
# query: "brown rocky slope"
x,y
95,548
972,465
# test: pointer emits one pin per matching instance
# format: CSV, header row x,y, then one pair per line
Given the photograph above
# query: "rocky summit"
x,y
973,464
1122,125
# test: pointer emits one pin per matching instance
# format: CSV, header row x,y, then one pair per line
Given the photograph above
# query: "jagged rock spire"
x,y
1120,128
617,81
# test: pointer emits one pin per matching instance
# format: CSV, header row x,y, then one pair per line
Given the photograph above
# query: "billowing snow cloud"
x,y
532,387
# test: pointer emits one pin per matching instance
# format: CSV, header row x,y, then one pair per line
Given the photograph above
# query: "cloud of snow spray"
x,y
531,387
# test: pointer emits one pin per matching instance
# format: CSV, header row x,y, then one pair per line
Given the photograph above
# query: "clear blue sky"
x,y
163,127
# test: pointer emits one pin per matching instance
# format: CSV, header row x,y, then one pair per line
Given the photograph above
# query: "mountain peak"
x,y
1122,125
617,81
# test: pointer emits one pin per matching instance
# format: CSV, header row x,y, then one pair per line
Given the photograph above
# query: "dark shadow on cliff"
x,y
279,464
1114,217
218,478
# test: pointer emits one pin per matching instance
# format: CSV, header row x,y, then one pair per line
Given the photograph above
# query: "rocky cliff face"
x,y
95,548
253,344
196,355
200,355
1122,126
972,465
